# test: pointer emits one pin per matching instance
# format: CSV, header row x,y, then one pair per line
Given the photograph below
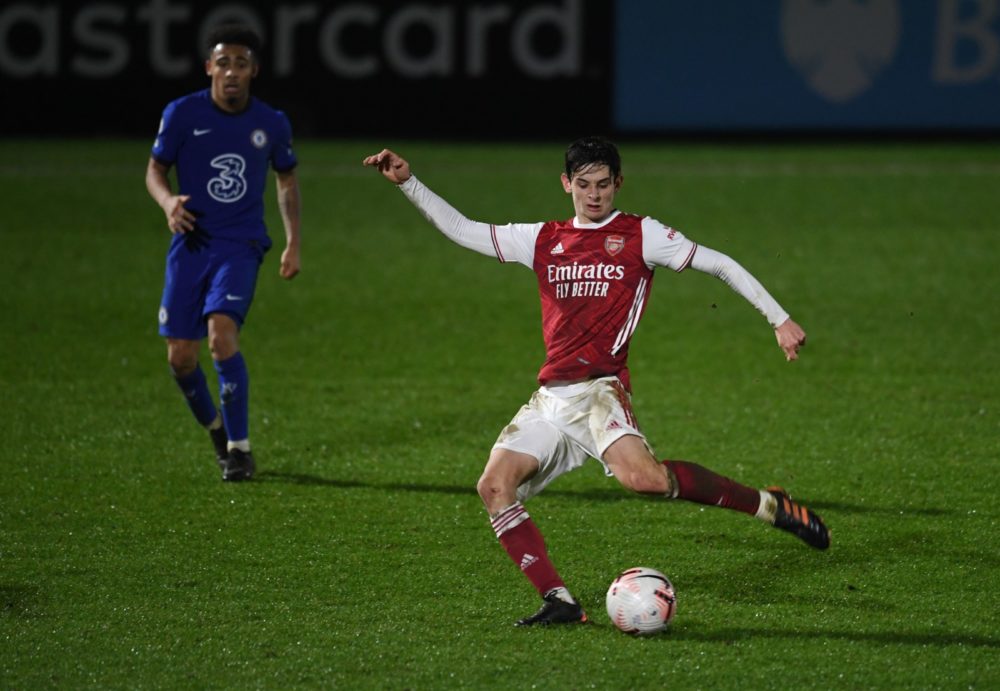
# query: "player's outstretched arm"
x,y
393,167
473,235
790,337
179,219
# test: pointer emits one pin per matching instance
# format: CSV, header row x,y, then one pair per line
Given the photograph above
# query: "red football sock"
x,y
526,547
699,484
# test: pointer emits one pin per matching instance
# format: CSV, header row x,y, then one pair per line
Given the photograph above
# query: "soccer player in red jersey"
x,y
594,274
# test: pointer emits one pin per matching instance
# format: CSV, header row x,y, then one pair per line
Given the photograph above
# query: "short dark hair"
x,y
234,34
588,152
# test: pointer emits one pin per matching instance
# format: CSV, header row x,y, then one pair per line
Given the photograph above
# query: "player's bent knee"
x,y
504,472
223,347
182,361
652,481
489,488
496,491
223,336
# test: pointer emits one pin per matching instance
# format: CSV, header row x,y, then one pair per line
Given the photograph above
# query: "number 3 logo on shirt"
x,y
229,185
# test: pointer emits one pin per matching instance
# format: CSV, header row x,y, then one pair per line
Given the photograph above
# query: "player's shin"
x,y
524,544
198,397
234,394
696,483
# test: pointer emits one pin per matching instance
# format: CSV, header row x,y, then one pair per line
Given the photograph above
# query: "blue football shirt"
x,y
222,161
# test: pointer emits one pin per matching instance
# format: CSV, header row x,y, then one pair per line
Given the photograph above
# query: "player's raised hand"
x,y
179,219
393,167
790,337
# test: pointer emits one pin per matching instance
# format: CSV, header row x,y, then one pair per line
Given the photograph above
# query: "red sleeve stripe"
x,y
496,243
687,262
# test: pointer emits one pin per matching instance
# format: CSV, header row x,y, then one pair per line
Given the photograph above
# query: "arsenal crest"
x,y
613,244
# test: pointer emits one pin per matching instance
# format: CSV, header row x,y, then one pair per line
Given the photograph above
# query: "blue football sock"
x,y
198,397
234,394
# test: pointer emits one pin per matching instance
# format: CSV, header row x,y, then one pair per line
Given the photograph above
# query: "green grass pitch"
x,y
361,558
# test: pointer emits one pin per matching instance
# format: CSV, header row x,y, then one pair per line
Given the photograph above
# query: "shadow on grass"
x,y
18,601
611,495
614,494
848,507
722,635
695,632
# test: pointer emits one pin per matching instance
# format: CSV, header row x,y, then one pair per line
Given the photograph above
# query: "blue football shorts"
x,y
215,275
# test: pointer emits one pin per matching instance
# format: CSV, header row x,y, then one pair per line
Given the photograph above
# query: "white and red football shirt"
x,y
594,282
593,279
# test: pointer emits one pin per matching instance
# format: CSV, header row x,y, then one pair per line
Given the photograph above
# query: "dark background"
x,y
497,69
502,101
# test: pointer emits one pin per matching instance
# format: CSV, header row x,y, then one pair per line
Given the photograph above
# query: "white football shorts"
x,y
563,426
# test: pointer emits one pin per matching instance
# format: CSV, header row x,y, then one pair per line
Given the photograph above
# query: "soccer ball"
x,y
641,601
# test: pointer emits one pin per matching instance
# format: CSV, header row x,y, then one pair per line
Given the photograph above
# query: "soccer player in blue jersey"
x,y
221,141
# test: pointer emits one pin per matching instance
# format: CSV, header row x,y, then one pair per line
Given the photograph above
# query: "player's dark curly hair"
x,y
234,34
587,152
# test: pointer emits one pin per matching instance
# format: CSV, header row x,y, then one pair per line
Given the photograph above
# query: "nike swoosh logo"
x,y
198,133
233,297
